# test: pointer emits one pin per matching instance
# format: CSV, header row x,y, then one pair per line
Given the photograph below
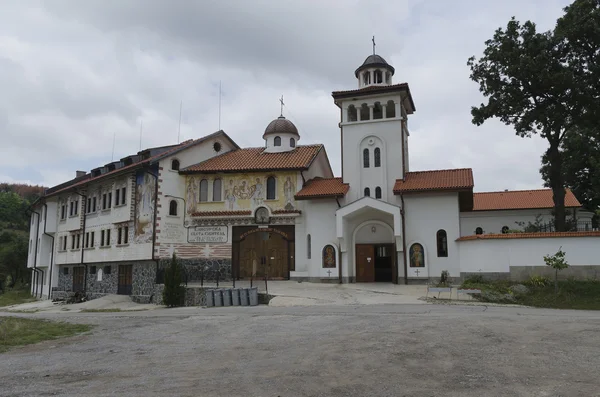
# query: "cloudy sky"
x,y
73,74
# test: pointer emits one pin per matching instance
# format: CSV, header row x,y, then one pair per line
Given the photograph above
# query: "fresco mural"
x,y
417,255
242,192
144,204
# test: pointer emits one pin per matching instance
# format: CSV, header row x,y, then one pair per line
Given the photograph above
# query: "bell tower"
x,y
374,130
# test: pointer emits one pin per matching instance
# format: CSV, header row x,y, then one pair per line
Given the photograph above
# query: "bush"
x,y
444,279
538,281
475,279
174,292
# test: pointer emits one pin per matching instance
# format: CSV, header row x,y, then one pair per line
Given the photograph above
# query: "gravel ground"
x,y
380,350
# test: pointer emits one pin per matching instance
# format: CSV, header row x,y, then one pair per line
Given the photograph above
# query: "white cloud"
x,y
77,73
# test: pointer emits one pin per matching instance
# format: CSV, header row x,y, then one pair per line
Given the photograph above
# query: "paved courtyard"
x,y
368,350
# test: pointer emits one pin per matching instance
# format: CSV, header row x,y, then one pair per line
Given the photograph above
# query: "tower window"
x,y
442,243
390,109
173,208
377,111
366,158
479,231
175,165
217,190
505,229
377,192
292,142
388,78
203,190
277,141
271,188
366,78
378,77
367,192
365,114
377,157
352,113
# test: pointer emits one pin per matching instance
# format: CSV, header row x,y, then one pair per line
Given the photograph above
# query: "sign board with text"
x,y
207,234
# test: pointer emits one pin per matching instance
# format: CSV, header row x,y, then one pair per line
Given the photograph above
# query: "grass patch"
x,y
15,297
572,294
115,310
23,331
579,295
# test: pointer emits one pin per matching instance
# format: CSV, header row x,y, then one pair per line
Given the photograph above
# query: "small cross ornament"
x,y
329,272
417,271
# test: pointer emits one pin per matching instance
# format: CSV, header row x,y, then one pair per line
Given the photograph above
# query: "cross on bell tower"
x,y
281,100
373,40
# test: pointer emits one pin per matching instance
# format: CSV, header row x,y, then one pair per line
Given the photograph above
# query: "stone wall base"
x,y
585,272
324,280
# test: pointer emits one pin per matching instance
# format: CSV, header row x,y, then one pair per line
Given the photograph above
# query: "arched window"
x,y
292,142
277,141
377,157
377,192
308,246
173,208
367,192
366,158
365,113
504,229
203,190
366,78
479,231
442,243
352,113
388,78
217,190
271,187
377,111
390,109
175,165
378,77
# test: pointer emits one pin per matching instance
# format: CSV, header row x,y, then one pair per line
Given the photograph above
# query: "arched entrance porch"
x,y
374,256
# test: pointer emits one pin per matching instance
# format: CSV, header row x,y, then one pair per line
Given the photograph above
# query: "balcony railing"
x,y
579,226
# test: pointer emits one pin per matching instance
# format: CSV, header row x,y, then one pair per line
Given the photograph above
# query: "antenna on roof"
x,y
219,105
141,126
112,157
179,129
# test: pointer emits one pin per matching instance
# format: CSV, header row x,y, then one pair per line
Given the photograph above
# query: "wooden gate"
x,y
365,263
78,277
125,279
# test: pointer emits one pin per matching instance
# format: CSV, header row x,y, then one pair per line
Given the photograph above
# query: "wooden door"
x,y
365,263
125,279
78,277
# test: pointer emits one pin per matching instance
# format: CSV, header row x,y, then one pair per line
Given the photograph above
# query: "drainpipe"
x,y
51,255
35,269
154,219
84,206
337,200
404,240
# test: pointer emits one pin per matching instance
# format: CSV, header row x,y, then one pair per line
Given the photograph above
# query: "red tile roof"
x,y
255,159
282,212
422,181
527,235
520,199
323,187
222,213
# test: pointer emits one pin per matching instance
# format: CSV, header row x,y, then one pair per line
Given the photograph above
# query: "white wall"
x,y
425,214
493,221
497,255
318,220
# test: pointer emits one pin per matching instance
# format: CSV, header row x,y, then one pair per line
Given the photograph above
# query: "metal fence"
x,y
579,226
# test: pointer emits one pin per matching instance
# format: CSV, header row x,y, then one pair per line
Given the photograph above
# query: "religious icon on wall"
x,y
328,257
417,255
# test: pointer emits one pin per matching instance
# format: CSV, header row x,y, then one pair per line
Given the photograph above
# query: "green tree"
x,y
557,262
12,210
532,82
174,292
13,256
581,166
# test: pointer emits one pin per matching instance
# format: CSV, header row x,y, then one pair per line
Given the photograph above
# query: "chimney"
x,y
79,174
